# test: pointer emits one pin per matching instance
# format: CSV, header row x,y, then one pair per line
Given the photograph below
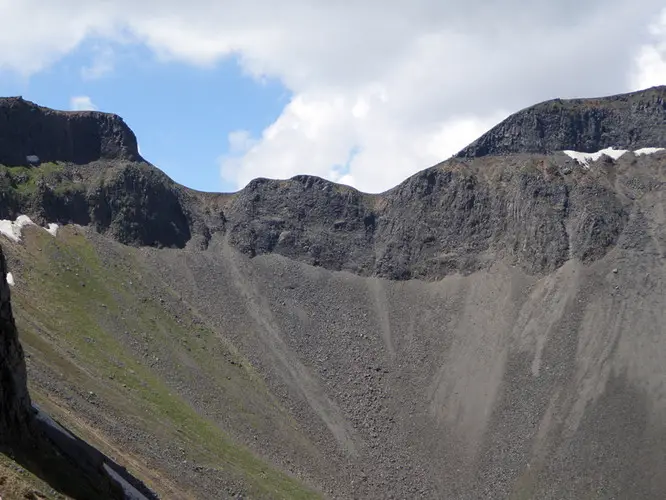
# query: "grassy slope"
x,y
24,180
89,322
17,483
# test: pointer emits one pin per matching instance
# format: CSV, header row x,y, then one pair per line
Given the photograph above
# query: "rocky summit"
x,y
627,121
31,134
492,327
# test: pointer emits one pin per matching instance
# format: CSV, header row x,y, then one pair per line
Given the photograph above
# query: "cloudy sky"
x,y
364,92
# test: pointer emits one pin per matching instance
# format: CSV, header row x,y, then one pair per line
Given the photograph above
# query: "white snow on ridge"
x,y
647,151
10,279
585,158
13,229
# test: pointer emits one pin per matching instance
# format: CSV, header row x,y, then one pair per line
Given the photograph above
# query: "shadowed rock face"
x,y
133,202
456,217
14,399
627,121
40,444
30,133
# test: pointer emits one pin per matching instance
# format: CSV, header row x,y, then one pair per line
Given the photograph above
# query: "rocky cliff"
x,y
627,121
31,134
534,208
458,216
14,399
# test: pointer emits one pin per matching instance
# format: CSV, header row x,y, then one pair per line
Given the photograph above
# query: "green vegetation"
x,y
18,483
26,179
90,320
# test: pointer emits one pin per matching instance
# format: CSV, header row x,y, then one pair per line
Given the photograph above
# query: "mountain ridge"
x,y
457,216
491,327
626,121
453,217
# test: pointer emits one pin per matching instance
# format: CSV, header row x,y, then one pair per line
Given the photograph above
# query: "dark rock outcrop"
x,y
14,399
41,445
627,121
306,218
455,217
139,205
132,202
30,134
504,196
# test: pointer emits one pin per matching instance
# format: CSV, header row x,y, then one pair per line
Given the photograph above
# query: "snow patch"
x,y
647,151
586,158
10,279
13,229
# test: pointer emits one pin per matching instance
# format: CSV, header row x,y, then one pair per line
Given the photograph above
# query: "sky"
x,y
365,93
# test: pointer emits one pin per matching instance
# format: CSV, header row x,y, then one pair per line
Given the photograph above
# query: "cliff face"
x,y
521,203
14,399
455,217
627,121
30,133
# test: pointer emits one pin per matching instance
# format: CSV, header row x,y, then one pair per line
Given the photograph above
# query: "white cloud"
x,y
101,65
380,88
240,141
650,65
81,103
318,134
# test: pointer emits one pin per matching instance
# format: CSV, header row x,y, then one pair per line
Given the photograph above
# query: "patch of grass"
x,y
24,180
18,483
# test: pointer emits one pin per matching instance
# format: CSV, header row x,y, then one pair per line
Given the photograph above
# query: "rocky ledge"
x,y
30,134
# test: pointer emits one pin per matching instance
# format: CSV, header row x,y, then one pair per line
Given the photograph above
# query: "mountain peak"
x,y
625,121
30,133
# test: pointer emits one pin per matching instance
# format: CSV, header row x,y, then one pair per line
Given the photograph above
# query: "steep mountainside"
x,y
490,328
34,440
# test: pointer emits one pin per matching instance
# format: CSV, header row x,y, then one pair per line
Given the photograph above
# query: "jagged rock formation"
x,y
133,202
30,134
627,121
39,443
454,217
449,218
457,216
